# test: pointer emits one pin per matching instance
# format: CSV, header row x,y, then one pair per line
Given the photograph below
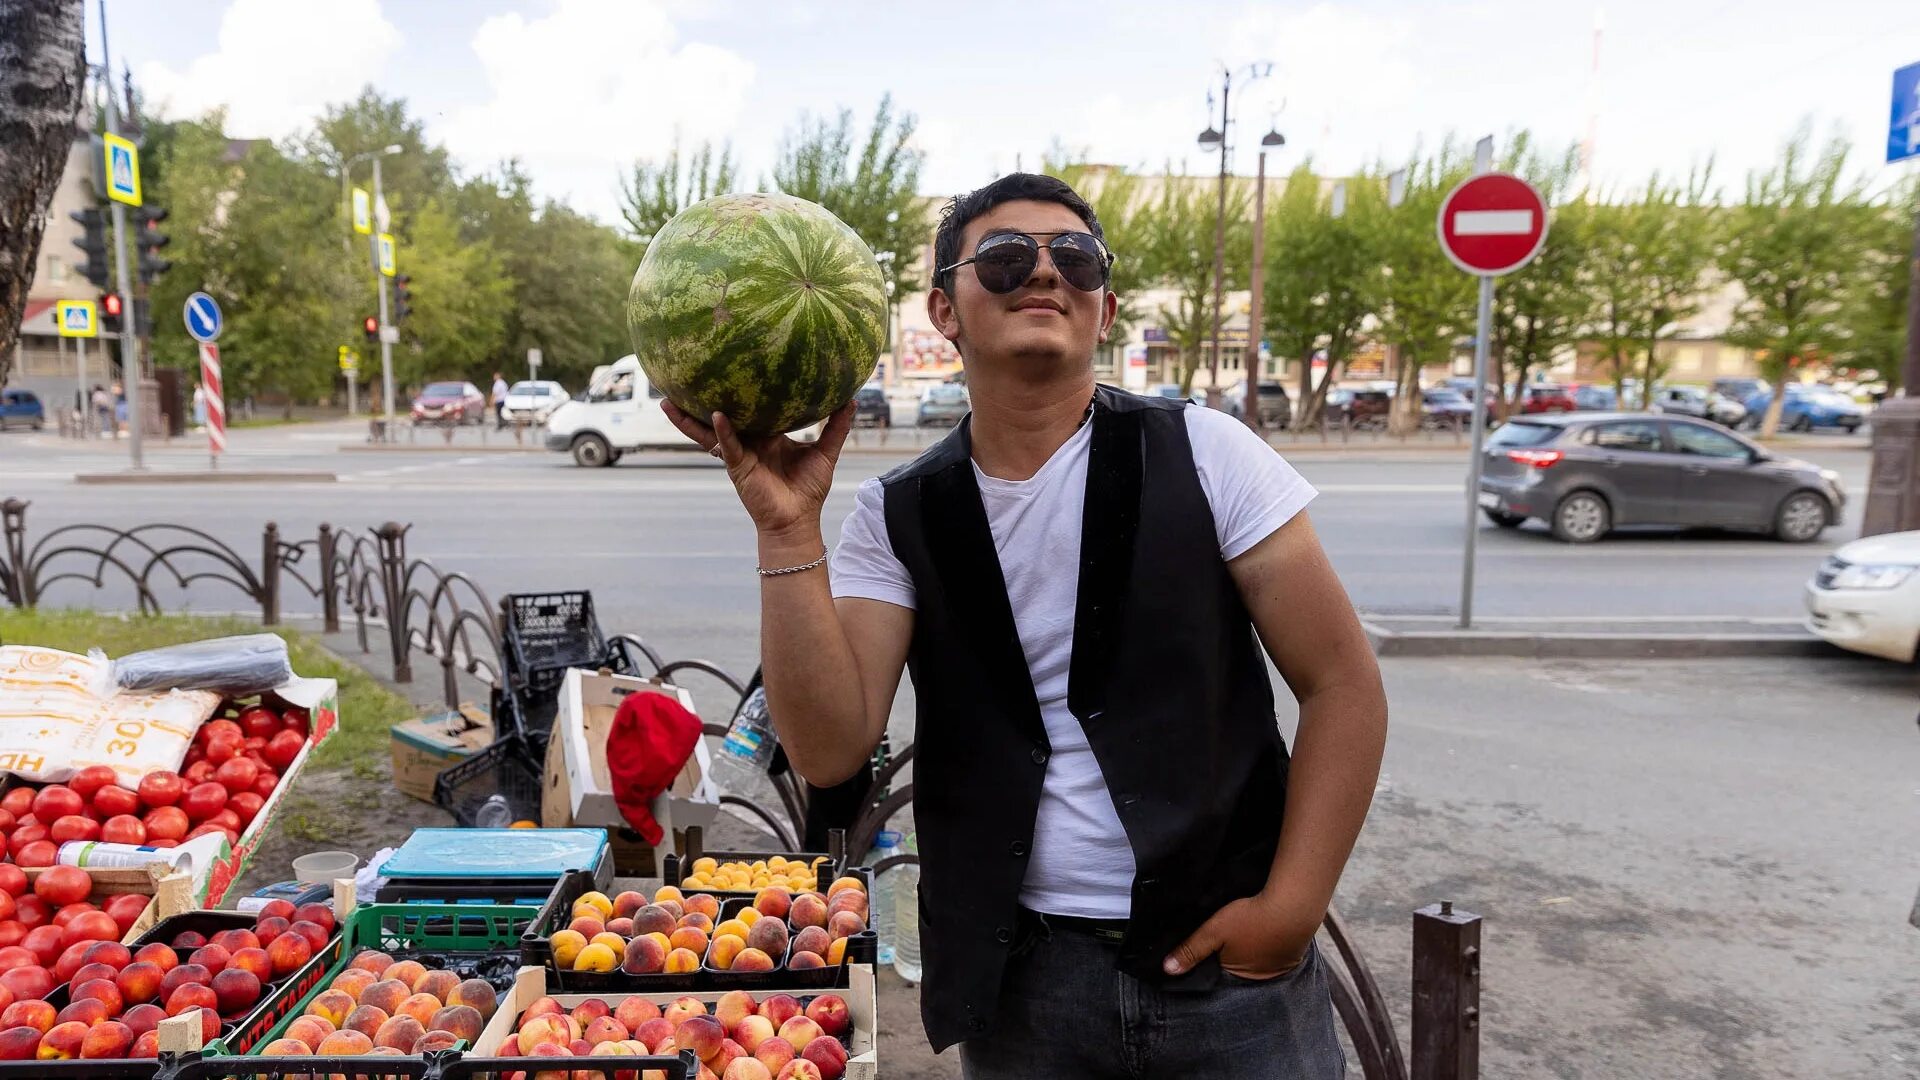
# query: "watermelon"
x,y
762,307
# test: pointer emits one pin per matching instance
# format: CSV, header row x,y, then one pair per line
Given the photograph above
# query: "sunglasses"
x,y
1004,261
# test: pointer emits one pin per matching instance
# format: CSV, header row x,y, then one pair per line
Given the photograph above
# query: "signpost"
x,y
386,256
79,320
202,316
1491,224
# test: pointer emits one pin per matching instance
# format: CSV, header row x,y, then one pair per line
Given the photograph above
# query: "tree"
x,y
462,293
654,191
1677,252
876,191
370,122
1180,249
42,77
1427,302
1875,324
1322,278
1794,245
1542,310
1615,283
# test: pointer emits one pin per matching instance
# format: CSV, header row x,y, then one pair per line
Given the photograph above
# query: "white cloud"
x,y
1341,79
277,64
578,93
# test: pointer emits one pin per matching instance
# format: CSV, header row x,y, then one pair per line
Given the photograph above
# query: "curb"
x,y
206,477
443,448
1593,646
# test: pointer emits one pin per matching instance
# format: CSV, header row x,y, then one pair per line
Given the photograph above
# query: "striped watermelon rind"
x,y
762,307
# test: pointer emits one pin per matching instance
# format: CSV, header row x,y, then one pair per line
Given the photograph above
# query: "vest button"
x,y
1003,935
976,1024
1039,756
1018,847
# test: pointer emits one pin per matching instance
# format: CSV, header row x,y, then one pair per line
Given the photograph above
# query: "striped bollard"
x,y
216,405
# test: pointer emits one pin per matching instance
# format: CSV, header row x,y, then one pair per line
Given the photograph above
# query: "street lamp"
x,y
1212,139
1272,140
380,280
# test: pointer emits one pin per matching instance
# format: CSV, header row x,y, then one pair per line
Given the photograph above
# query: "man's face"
x,y
1043,322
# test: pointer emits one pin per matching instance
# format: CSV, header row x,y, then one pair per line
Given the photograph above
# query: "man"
x,y
499,399
1122,874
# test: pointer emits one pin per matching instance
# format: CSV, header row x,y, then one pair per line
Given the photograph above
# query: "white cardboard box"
x,y
588,701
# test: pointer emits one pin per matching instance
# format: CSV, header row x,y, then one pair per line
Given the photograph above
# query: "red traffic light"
x,y
110,305
372,325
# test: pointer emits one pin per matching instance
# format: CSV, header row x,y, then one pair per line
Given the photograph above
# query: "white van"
x,y
620,412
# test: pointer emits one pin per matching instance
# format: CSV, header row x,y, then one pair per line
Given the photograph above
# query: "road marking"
x,y
1492,222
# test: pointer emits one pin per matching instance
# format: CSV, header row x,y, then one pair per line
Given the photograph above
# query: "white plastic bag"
x,y
55,722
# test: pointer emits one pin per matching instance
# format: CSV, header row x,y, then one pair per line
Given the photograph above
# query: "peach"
x,y
367,1020
654,919
635,1011
752,959
544,1029
847,900
236,939
769,935
63,1041
804,961
774,1052
158,953
286,1047
407,971
698,921
644,956
597,956
238,990
352,981
308,1029
753,1030
545,1006
780,1008
746,1068
435,1040
437,983
748,915
846,883
605,1029
191,996
702,904
700,1034
143,1018
87,1011
19,1043
680,961
831,1013
565,946
683,1007
212,957
371,960
109,1040
666,892
590,1010
351,1043
261,964
800,1069
627,903
799,1030
419,1006
587,926
385,995
332,1006
828,1056
689,938
146,1045
288,952
732,928
111,953
774,900
837,952
478,994
807,910
725,951
730,1052
139,982
652,1030
399,1032
597,901
733,1007
622,928
845,924
35,1014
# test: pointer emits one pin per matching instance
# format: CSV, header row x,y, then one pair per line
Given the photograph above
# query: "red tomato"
x,y
221,751
57,801
70,912
203,830
259,721
63,885
114,801
33,912
161,788
38,853
13,880
93,926
204,800
11,933
253,744
219,729
7,822
164,843
296,719
244,805
22,836
226,819
282,749
264,786
236,775
7,905
123,829
125,909
166,823
18,802
73,827
198,772
91,779
28,983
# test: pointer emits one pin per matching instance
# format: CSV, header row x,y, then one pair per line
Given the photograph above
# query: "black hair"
x,y
962,209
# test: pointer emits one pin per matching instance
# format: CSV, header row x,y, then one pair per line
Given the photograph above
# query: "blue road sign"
x,y
203,318
1903,133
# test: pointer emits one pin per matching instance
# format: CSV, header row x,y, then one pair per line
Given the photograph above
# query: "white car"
x,y
621,412
534,401
1866,596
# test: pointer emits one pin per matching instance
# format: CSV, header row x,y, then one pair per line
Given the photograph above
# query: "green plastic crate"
x,y
453,931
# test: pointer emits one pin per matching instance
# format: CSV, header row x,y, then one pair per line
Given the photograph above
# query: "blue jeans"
x,y
1066,1010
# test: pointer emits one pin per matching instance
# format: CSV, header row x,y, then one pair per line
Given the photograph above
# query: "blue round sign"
x,y
203,318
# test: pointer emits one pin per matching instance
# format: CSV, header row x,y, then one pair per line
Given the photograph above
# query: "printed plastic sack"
x,y
234,666
54,721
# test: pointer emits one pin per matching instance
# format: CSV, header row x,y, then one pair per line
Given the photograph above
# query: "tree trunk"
x,y
1300,415
1404,414
42,76
1771,425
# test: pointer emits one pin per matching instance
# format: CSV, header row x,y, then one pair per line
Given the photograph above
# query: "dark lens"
x,y
1080,260
1004,262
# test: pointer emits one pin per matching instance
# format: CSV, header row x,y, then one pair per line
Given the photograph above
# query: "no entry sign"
x,y
1492,224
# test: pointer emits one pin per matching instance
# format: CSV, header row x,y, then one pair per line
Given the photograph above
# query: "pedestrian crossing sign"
x,y
77,318
362,212
123,170
386,254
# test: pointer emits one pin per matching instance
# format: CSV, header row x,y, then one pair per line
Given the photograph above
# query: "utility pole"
x,y
380,280
1893,487
1220,266
1258,281
131,370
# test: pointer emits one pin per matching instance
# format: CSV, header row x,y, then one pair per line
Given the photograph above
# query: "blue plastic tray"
x,y
496,853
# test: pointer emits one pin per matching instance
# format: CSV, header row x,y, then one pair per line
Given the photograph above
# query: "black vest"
x,y
1167,678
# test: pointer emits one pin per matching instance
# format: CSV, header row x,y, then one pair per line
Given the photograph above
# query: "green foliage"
x,y
1542,310
1875,328
654,191
1428,303
1322,277
1126,218
1180,256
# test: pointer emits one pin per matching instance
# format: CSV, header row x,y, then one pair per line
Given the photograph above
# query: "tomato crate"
x,y
537,951
473,941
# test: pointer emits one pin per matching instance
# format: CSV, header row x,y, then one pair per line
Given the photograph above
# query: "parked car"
x,y
1547,398
21,408
1699,404
1738,387
1363,409
1866,597
1276,408
1592,397
1808,407
534,401
1443,407
450,402
871,408
1586,474
944,405
1171,391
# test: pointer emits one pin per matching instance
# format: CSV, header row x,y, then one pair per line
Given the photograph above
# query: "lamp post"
x,y
1211,139
380,280
1272,140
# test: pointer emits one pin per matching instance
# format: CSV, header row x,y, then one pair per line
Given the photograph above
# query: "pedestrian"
x,y
102,410
1122,870
499,399
199,407
119,410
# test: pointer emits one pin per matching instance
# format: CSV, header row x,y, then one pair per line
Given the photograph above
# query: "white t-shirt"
x,y
1081,863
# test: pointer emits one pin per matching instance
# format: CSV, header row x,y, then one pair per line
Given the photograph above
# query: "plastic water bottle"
x,y
906,919
740,765
495,813
885,846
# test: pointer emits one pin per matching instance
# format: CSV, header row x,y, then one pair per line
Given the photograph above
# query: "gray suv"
x,y
1586,473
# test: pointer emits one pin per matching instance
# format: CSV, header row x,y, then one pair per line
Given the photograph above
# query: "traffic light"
x,y
150,240
372,327
142,318
93,241
110,312
402,297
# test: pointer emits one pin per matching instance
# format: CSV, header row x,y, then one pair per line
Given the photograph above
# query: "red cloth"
x,y
652,737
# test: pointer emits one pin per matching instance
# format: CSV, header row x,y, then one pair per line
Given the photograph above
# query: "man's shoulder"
x,y
949,451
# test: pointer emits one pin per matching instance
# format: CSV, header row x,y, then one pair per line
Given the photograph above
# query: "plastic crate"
x,y
335,1067
674,868
546,633
683,1067
506,767
536,952
517,892
470,940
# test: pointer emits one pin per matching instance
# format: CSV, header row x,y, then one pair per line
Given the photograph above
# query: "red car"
x,y
1548,398
450,402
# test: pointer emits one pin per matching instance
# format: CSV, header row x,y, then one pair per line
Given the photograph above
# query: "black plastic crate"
x,y
335,1066
613,1067
91,1069
544,634
506,768
674,868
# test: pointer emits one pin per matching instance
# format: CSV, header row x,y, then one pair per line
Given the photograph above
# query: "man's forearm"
x,y
1336,762
807,665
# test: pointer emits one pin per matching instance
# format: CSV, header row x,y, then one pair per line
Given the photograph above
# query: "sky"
x,y
577,89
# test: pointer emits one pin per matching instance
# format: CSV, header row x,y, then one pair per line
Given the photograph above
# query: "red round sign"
x,y
1492,224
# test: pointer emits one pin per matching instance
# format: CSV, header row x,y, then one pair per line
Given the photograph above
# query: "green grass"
x,y
367,709
265,422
